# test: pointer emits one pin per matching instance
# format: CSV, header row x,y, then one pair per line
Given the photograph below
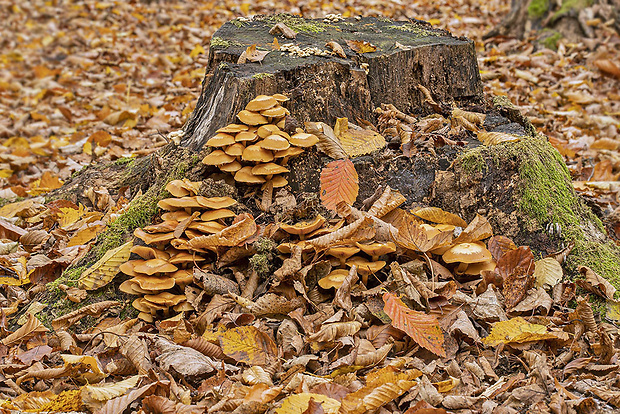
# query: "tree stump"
x,y
327,86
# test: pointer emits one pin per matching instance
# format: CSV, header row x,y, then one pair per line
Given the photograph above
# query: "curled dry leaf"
x,y
517,271
31,328
185,361
517,330
328,143
422,328
496,138
336,48
331,331
478,229
499,245
595,283
437,215
136,351
95,396
94,309
547,272
361,46
284,29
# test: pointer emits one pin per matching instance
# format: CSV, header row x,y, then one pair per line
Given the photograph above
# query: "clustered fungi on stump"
x,y
166,266
249,149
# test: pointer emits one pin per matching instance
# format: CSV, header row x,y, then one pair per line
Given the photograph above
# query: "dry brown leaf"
x,y
249,345
336,48
361,46
357,141
94,309
437,215
331,331
106,268
547,272
328,143
517,271
595,283
496,138
31,328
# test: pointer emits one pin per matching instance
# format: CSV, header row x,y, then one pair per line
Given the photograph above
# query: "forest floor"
x,y
88,81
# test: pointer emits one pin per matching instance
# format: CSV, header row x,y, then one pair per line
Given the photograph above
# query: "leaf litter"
x,y
336,351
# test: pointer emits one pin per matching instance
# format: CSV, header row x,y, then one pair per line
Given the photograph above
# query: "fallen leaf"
x,y
361,46
339,183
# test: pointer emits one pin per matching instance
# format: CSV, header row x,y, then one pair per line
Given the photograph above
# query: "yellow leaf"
x,y
298,403
613,311
14,209
548,272
248,344
437,215
517,330
495,138
447,385
85,235
102,272
361,46
88,148
69,216
198,49
357,141
93,396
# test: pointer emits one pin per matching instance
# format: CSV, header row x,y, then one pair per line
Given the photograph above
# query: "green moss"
x,y
5,201
263,75
222,65
537,8
124,161
264,245
570,5
298,24
69,277
550,39
238,23
412,28
219,43
545,194
262,261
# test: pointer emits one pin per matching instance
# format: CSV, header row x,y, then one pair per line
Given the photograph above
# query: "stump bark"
x,y
330,86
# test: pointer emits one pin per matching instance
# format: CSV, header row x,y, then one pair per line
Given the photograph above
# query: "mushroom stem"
x,y
365,279
375,258
461,268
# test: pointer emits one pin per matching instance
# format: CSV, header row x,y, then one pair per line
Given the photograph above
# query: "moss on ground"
x,y
263,75
570,5
550,39
537,8
545,194
415,29
262,261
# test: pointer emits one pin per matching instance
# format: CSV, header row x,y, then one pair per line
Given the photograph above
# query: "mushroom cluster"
x,y
162,271
257,150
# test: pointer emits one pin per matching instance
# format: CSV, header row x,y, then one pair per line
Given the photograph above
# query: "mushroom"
x,y
233,128
235,150
275,112
375,250
182,188
182,258
342,253
245,175
178,203
261,103
184,306
251,118
231,167
365,268
303,140
256,153
287,248
288,153
153,282
477,268
303,227
280,98
274,143
217,214
265,130
165,299
218,157
277,181
152,238
466,253
334,280
269,169
216,202
177,215
221,140
147,252
210,227
183,277
152,266
246,136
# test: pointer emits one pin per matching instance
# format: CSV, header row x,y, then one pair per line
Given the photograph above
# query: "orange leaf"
x,y
339,183
361,46
422,328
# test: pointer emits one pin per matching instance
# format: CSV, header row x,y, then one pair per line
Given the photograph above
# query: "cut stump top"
x,y
327,86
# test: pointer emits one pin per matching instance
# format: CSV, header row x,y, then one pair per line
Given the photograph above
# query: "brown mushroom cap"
x,y
182,188
261,102
233,128
256,153
146,317
467,253
183,258
221,140
274,143
152,266
245,175
177,215
147,252
265,130
231,167
364,267
177,203
132,287
377,249
246,136
235,149
342,252
303,227
166,299
275,112
183,277
218,157
269,169
163,227
334,279
280,98
154,282
289,152
477,268
184,306
213,215
137,303
216,202
152,238
287,248
303,140
278,181
251,118
210,227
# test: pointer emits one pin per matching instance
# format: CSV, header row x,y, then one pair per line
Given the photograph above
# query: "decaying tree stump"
x,y
523,188
330,86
